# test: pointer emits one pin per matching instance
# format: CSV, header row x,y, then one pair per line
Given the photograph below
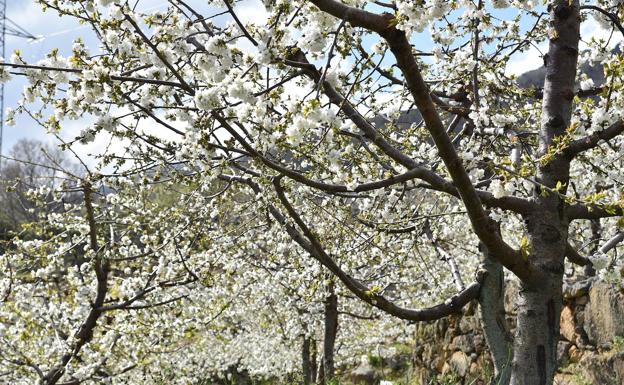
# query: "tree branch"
x,y
593,140
576,258
402,50
113,77
85,332
612,16
313,246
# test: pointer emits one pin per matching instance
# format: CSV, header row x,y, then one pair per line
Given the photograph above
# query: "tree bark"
x,y
495,328
321,372
305,361
537,334
331,329
313,361
539,304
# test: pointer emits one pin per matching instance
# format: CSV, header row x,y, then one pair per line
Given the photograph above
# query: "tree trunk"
x,y
305,361
539,305
331,328
313,361
492,305
537,334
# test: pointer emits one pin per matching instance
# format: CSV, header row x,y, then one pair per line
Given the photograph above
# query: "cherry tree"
x,y
298,115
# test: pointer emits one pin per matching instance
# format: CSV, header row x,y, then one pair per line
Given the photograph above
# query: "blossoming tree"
x,y
298,116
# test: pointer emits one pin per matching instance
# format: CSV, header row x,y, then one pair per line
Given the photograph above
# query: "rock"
x,y
604,314
396,362
603,369
575,354
421,376
438,364
567,326
459,363
577,289
365,373
441,327
468,324
582,300
562,352
465,343
479,343
565,379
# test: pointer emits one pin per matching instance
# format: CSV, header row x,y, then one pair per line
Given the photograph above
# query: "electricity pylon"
x,y
7,28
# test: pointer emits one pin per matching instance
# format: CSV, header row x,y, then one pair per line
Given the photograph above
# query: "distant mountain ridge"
x,y
530,79
535,78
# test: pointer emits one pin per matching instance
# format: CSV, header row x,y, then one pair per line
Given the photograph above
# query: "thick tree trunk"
x,y
305,361
537,334
313,361
331,328
492,305
539,305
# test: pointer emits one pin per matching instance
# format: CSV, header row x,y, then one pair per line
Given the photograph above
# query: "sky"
x,y
54,32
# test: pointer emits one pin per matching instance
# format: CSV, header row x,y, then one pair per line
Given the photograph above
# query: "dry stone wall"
x,y
453,350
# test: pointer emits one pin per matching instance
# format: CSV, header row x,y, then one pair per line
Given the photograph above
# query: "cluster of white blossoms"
x,y
186,254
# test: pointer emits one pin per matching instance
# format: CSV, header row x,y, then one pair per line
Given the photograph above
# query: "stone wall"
x,y
453,350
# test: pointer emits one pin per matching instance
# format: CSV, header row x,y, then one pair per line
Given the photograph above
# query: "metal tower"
x,y
7,28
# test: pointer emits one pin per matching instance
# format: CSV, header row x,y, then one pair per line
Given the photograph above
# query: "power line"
x,y
8,28
13,29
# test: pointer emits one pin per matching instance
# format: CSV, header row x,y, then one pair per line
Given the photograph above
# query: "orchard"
x,y
276,195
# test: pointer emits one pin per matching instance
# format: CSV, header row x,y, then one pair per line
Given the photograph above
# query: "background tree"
x,y
30,165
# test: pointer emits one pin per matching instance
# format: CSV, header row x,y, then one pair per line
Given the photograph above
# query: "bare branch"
x,y
613,17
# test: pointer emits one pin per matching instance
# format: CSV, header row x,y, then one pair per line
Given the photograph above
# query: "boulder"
x,y
604,314
567,327
459,363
